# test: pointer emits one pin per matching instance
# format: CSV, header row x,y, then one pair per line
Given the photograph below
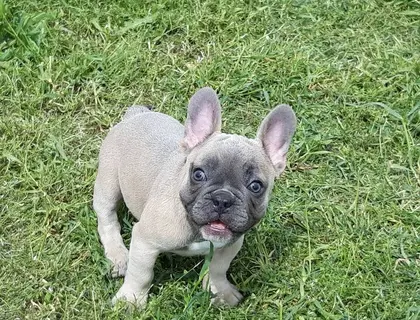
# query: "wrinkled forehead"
x,y
231,152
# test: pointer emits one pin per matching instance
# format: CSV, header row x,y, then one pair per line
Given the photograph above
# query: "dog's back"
x,y
142,137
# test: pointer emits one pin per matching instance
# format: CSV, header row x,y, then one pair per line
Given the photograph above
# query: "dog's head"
x,y
229,177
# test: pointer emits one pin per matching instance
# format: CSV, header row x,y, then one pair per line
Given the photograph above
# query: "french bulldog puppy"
x,y
187,186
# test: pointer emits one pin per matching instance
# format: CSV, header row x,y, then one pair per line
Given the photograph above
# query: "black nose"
x,y
222,199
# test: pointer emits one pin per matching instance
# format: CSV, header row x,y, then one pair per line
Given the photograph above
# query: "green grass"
x,y
341,239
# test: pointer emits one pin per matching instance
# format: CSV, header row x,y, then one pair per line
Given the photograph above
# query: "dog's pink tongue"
x,y
217,225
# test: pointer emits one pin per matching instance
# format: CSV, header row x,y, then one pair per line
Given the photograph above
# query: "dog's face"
x,y
227,187
228,178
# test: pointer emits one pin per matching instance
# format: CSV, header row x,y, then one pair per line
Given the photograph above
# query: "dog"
x,y
187,186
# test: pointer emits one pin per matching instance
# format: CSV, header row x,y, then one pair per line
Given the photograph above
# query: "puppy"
x,y
187,186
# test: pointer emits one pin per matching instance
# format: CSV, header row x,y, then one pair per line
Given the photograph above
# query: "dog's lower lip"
x,y
216,231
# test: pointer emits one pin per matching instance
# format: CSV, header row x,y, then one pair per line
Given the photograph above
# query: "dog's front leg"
x,y
139,275
216,280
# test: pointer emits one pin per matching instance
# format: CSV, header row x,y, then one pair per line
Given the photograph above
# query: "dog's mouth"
x,y
216,231
218,226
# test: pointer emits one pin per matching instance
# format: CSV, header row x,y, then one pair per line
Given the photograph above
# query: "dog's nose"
x,y
222,199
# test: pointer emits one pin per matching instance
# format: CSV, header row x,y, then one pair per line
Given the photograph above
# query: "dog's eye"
x,y
199,175
255,186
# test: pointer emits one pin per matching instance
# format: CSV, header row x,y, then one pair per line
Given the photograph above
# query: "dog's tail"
x,y
135,110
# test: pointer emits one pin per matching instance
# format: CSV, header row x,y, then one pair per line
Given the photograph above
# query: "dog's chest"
x,y
198,248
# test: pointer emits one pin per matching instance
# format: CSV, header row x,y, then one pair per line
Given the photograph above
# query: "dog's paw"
x,y
119,259
223,293
230,297
137,300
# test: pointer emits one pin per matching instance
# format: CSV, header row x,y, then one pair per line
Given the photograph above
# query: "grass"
x,y
341,239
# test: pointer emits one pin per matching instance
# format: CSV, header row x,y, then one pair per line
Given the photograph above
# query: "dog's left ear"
x,y
204,117
276,132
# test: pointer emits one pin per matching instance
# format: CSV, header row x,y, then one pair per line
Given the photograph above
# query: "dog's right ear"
x,y
204,117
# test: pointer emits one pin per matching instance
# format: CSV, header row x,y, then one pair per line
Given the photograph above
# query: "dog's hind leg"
x,y
135,110
106,197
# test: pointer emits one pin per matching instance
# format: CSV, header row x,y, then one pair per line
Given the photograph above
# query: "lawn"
x,y
341,238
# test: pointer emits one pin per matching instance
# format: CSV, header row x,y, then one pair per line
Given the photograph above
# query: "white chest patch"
x,y
198,248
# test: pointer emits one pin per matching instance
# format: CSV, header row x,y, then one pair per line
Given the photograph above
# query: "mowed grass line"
x,y
341,236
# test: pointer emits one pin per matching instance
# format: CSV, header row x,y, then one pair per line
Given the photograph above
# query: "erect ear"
x,y
204,117
276,132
